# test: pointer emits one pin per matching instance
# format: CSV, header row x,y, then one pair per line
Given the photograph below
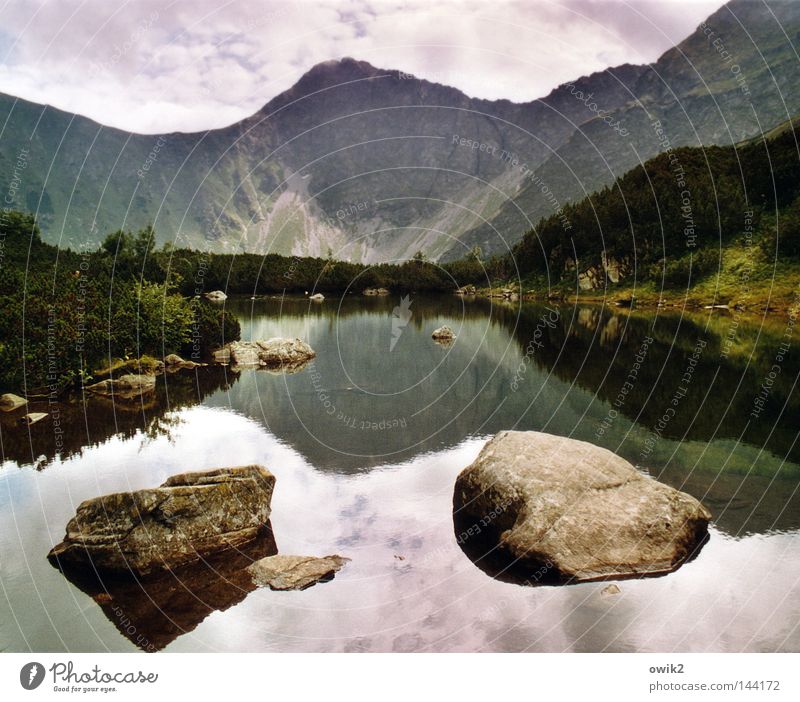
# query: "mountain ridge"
x,y
373,164
717,70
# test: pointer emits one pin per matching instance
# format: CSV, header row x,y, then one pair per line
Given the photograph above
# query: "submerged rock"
x,y
568,510
294,572
126,386
272,353
9,401
444,333
189,517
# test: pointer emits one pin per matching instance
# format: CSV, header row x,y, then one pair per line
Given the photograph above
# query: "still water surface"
x,y
366,443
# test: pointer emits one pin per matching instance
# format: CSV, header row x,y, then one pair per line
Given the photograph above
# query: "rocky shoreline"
x,y
135,379
757,305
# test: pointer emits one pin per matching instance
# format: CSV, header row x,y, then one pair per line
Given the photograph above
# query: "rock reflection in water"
x,y
153,612
75,422
481,546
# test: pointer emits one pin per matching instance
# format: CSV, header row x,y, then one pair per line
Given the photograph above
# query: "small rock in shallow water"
x,y
286,354
294,572
610,590
33,417
10,401
126,386
444,333
174,362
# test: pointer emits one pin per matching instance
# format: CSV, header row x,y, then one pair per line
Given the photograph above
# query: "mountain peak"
x,y
346,68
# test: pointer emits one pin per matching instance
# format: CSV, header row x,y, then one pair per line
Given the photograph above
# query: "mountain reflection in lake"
x,y
366,442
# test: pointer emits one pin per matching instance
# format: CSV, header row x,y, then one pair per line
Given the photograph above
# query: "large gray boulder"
x,y
191,516
565,509
272,353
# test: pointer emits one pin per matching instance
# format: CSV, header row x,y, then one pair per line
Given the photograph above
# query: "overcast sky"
x,y
161,65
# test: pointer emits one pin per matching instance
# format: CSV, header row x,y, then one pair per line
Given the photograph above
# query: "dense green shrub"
x,y
780,235
686,271
61,322
212,327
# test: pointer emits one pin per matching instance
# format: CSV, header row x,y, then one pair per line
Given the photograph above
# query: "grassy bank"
x,y
745,279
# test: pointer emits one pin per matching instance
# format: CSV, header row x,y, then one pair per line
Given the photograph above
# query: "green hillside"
x,y
718,225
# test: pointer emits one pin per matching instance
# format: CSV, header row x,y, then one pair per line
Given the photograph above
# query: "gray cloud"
x,y
155,66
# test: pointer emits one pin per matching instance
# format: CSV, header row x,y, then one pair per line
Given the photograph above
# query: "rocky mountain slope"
x,y
734,78
375,165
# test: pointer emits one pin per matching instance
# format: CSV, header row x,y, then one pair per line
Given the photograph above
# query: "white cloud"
x,y
187,65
